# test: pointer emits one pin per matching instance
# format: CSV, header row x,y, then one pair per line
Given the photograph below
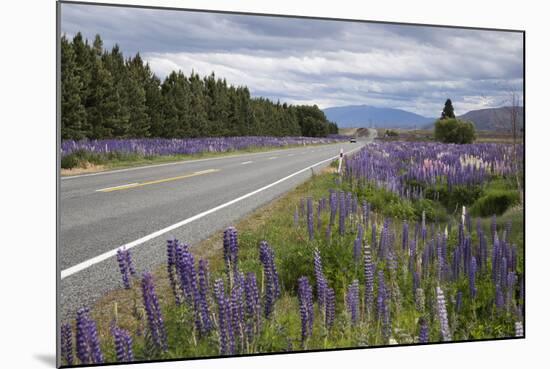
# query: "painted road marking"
x,y
106,255
114,188
290,154
247,162
273,157
141,184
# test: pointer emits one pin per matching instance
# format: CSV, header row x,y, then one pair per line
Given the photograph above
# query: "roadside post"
x,y
340,160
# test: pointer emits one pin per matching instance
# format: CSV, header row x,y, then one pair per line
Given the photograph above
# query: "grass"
x,y
86,162
410,135
294,256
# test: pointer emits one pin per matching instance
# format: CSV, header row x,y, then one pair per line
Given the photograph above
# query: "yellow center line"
x,y
141,184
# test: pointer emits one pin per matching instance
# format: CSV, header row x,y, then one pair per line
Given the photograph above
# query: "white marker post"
x,y
340,160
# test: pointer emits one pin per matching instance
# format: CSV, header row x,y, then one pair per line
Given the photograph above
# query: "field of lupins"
x,y
335,271
188,146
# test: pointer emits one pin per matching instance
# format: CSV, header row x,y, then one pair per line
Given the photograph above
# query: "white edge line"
x,y
247,162
180,163
99,258
121,186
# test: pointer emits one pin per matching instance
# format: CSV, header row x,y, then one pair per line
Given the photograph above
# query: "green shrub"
x,y
454,131
456,197
494,202
387,203
69,161
435,212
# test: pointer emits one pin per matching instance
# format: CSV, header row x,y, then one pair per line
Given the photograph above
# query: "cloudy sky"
x,y
328,63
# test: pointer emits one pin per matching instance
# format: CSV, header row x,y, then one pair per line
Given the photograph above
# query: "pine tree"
x,y
114,63
134,87
73,114
448,110
104,104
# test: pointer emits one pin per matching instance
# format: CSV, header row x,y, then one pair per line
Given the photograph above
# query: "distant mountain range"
x,y
366,116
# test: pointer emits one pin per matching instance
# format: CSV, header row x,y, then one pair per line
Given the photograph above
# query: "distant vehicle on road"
x,y
353,140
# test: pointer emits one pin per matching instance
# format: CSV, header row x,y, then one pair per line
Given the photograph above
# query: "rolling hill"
x,y
493,119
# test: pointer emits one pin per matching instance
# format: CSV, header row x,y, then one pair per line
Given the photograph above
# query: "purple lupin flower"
x,y
442,315
296,217
319,210
330,308
229,324
231,250
310,227
415,280
203,296
381,297
405,236
305,298
171,268
424,333
360,231
352,301
154,314
503,279
188,281
472,277
483,251
342,214
237,315
412,253
333,203
219,294
366,212
495,260
512,279
124,260
319,277
368,272
88,350
357,250
458,302
67,344
253,309
123,345
499,298
373,242
271,277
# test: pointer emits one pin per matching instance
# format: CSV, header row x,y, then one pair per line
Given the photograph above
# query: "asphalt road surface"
x,y
141,208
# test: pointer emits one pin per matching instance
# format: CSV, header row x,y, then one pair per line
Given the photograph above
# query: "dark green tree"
x,y
134,87
448,110
73,114
103,108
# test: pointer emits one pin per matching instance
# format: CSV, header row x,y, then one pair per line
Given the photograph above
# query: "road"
x,y
142,207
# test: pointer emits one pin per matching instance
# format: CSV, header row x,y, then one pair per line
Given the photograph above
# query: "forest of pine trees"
x,y
105,95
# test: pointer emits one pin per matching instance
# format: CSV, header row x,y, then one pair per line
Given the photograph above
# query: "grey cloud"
x,y
317,61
